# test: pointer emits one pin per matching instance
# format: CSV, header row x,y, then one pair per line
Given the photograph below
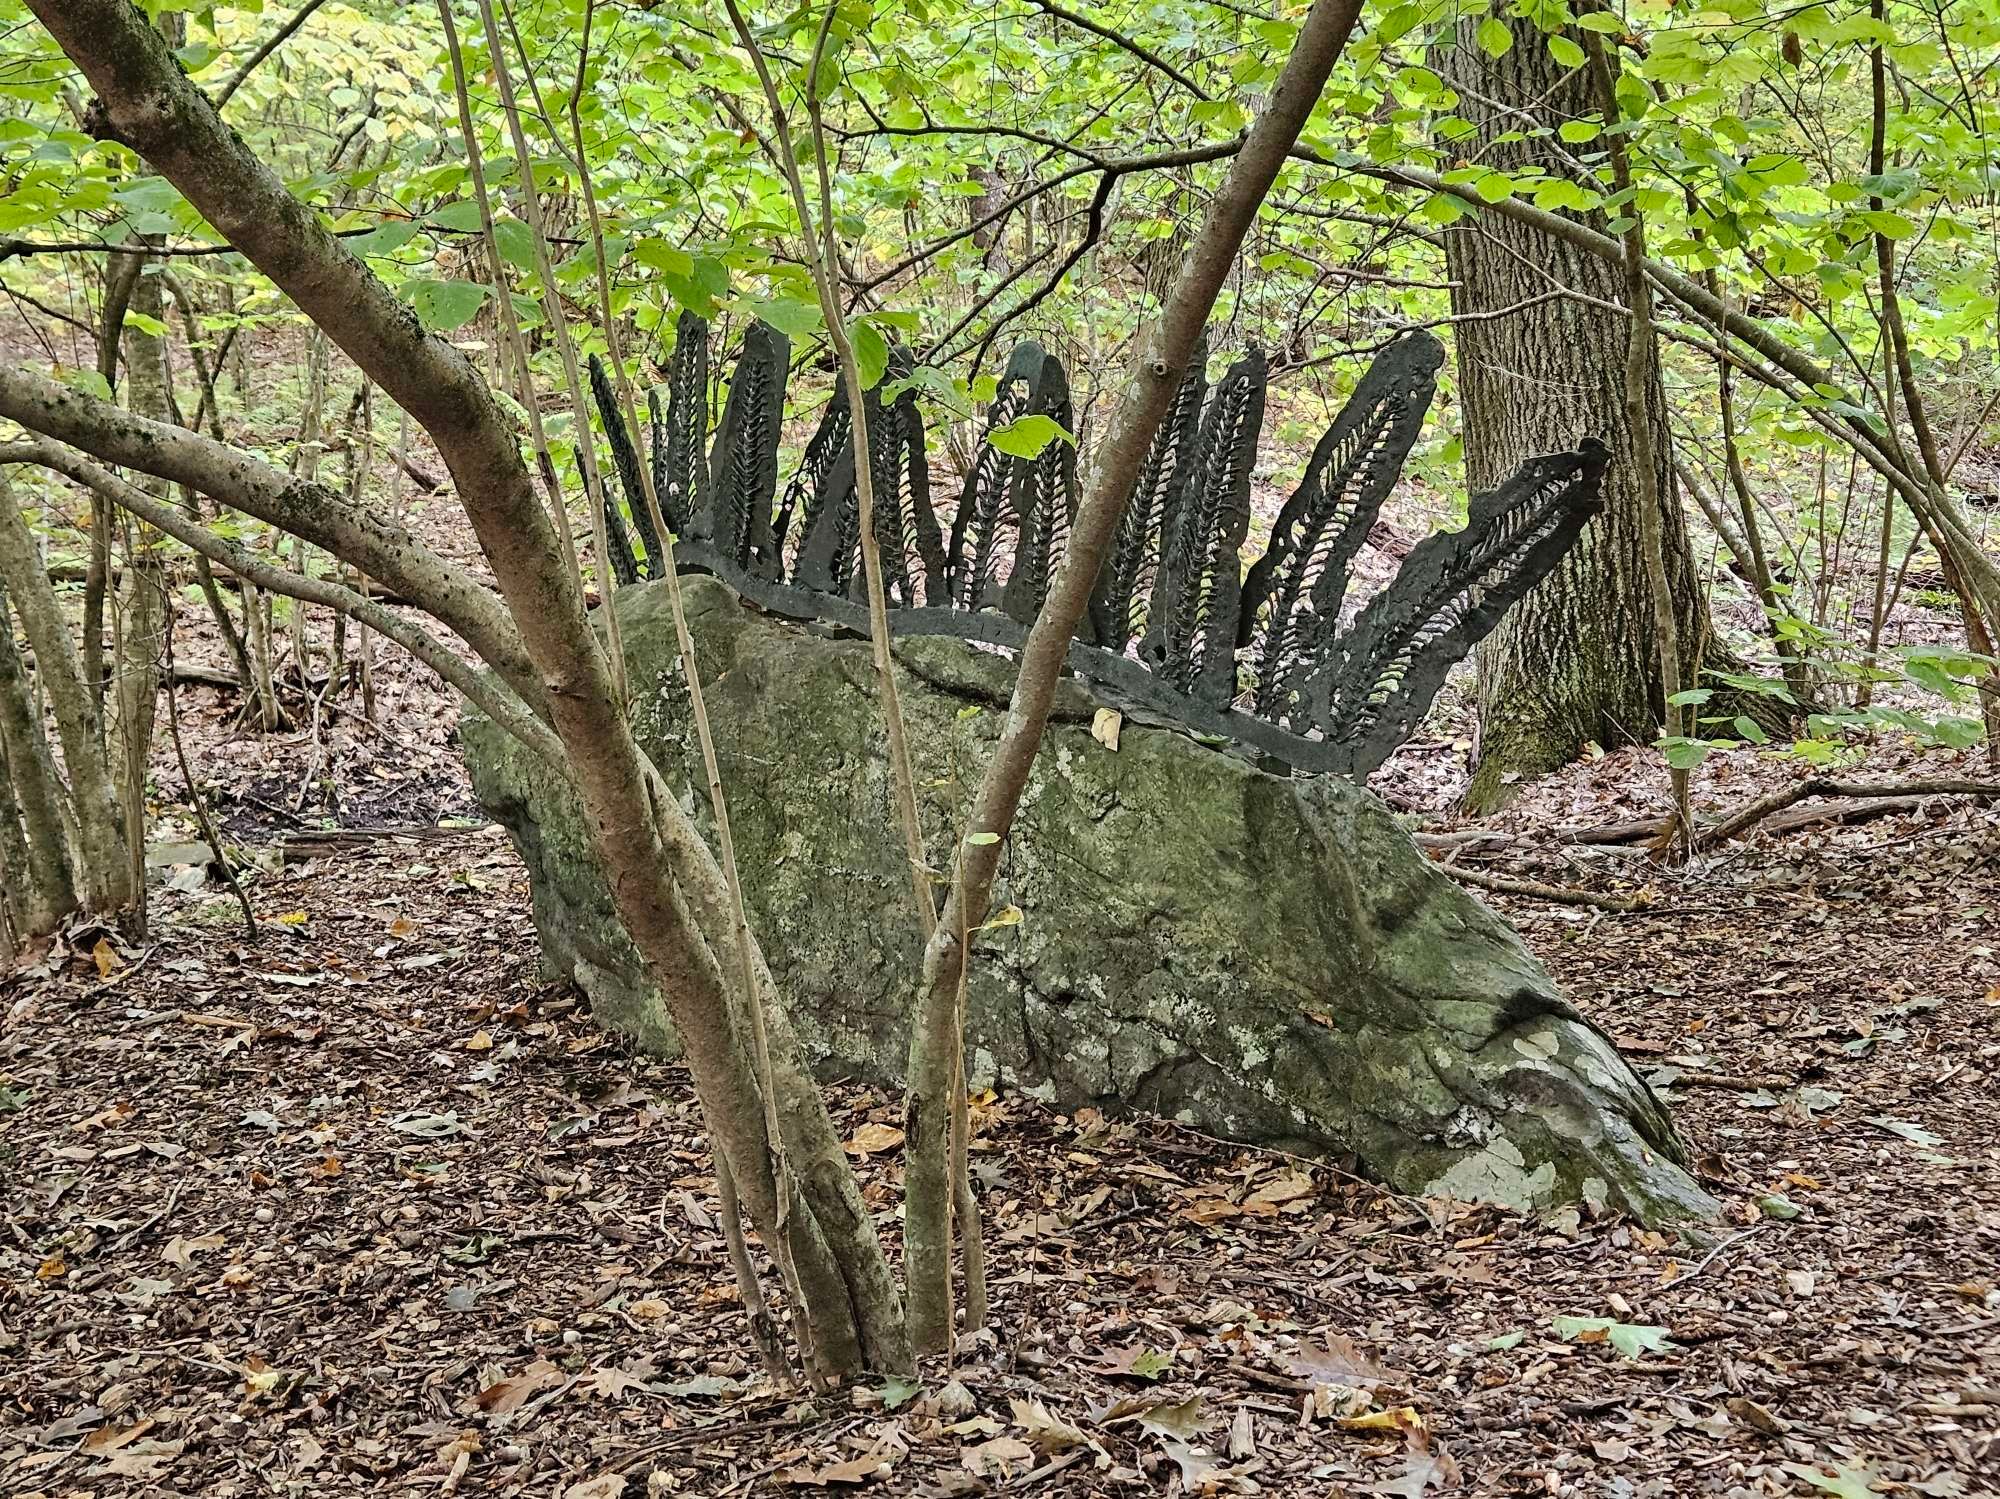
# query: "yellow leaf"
x,y
1104,728
1006,916
52,1268
649,1310
1396,1418
873,1139
259,1378
106,957
479,1041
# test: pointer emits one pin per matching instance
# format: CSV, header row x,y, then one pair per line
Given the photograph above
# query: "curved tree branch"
x,y
271,44
485,693
379,547
1124,43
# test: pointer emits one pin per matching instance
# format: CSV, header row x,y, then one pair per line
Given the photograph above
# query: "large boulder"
x,y
1265,958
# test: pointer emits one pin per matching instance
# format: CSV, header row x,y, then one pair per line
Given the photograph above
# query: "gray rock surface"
x,y
1264,958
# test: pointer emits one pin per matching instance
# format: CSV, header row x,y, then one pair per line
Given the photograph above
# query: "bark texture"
x,y
1266,958
40,887
1576,660
105,867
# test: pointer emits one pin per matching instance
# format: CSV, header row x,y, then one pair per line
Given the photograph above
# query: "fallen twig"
x,y
1710,1258
1535,890
1754,812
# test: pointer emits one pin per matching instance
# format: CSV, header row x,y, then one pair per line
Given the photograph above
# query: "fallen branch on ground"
x,y
1776,810
1535,890
1752,813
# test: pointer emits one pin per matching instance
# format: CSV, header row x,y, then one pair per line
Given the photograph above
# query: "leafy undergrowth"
x,y
368,1209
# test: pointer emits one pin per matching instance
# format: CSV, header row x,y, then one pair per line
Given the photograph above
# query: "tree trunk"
x,y
40,887
107,873
145,601
1576,660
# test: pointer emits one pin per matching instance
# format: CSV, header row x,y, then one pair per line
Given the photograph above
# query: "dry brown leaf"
x,y
142,1459
1045,1429
1340,1361
108,1439
873,1139
505,1396
854,1471
997,1457
55,1267
1242,1435
1757,1417
1293,1187
604,1486
181,1251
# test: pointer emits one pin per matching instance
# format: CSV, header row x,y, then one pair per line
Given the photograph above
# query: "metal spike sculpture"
x,y
1294,591
906,526
1191,632
1121,605
1176,629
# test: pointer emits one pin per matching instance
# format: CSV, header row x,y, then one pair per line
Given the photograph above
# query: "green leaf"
x,y
1750,729
1854,1482
384,239
658,255
1567,54
444,305
1601,21
1778,1206
1576,132
793,318
982,839
1495,40
462,215
1691,697
516,243
145,324
897,1392
1685,754
1026,436
871,352
1916,1134
1630,1339
702,288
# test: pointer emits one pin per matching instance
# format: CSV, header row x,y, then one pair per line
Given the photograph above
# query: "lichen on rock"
x,y
1263,957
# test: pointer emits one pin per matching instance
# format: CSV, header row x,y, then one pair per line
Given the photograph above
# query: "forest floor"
x,y
368,1208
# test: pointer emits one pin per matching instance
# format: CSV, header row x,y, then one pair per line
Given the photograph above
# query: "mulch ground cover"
x,y
367,1208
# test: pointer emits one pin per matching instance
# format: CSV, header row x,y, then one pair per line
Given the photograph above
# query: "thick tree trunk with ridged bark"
x,y
1576,660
